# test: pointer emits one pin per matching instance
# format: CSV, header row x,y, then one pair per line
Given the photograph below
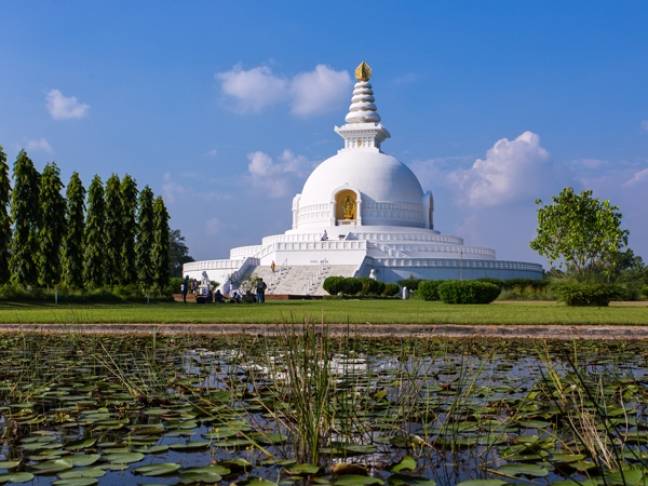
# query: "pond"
x,y
309,409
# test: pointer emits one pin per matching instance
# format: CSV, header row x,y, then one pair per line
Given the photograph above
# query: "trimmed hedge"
x,y
391,289
333,285
351,286
371,286
468,292
107,295
429,289
585,293
411,283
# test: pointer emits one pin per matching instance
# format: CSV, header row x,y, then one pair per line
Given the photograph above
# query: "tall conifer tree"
x,y
94,240
52,227
73,241
144,238
5,220
160,249
128,196
114,233
25,214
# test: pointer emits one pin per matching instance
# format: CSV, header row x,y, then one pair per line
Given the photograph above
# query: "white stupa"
x,y
361,212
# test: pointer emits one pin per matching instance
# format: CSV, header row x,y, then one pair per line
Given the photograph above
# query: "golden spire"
x,y
363,71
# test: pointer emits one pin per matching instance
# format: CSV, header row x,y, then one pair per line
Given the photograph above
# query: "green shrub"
x,y
351,286
585,293
391,289
429,289
468,292
371,286
495,281
333,285
644,291
411,283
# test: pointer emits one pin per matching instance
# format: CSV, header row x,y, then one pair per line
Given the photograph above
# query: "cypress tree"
x,y
160,249
113,229
73,241
52,227
24,212
5,220
94,237
144,238
128,194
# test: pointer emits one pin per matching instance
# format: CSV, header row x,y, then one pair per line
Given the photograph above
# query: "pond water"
x,y
308,409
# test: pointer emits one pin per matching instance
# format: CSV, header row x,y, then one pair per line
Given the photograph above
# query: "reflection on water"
x,y
99,408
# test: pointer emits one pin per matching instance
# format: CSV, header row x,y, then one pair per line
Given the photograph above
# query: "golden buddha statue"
x,y
349,208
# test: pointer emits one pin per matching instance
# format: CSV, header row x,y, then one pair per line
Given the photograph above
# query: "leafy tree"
x,y
113,231
144,240
94,244
52,227
160,249
73,240
178,253
580,233
25,214
5,220
128,195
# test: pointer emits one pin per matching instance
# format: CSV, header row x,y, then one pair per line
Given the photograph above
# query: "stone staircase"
x,y
300,279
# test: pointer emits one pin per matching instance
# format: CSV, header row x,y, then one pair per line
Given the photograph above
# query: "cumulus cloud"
x,y
511,170
62,107
319,91
276,175
308,93
253,89
171,189
39,145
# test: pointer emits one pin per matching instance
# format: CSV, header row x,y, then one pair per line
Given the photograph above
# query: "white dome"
x,y
375,175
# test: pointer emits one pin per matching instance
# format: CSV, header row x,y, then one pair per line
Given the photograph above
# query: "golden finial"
x,y
363,71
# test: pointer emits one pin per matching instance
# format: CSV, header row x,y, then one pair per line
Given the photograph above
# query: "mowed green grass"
x,y
330,311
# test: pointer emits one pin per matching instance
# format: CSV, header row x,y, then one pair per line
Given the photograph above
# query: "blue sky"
x,y
225,107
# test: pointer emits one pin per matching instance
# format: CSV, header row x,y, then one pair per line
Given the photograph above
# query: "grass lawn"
x,y
331,311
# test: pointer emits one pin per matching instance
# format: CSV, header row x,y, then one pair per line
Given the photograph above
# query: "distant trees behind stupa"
x,y
110,235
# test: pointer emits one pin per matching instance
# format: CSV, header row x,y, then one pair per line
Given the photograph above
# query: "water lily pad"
x,y
19,477
259,482
82,459
81,444
76,482
54,466
407,463
156,449
87,472
190,446
124,457
533,470
192,477
9,464
357,480
403,480
303,469
161,469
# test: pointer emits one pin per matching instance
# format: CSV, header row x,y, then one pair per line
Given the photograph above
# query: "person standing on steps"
x,y
260,291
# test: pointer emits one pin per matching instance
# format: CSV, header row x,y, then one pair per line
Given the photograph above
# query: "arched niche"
x,y
347,207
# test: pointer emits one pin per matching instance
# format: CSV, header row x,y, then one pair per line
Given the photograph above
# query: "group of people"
x,y
204,293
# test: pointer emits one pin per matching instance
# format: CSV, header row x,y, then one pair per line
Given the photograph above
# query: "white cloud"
x,y
644,126
511,170
171,189
276,176
39,145
637,177
319,91
309,93
62,107
253,89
